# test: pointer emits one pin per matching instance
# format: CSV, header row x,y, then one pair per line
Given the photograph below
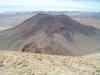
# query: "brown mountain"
x,y
52,34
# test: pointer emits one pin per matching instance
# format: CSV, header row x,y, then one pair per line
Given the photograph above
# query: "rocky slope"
x,y
52,34
18,63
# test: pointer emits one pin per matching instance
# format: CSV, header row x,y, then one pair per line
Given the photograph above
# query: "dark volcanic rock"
x,y
59,33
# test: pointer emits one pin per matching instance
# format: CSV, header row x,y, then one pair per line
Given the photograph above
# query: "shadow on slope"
x,y
53,34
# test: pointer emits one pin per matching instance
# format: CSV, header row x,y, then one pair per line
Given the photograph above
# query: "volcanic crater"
x,y
51,34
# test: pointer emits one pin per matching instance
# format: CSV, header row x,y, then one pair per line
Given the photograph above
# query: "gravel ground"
x,y
18,63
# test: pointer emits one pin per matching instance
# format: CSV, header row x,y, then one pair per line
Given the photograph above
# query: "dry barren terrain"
x,y
18,63
25,63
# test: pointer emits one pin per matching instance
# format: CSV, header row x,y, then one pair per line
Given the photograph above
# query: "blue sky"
x,y
50,5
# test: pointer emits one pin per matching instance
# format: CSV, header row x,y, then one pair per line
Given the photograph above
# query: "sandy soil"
x,y
18,63
90,21
11,20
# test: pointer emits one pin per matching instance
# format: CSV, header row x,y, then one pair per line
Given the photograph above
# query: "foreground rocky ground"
x,y
18,63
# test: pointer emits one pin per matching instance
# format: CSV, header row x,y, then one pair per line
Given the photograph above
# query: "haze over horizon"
x,y
50,5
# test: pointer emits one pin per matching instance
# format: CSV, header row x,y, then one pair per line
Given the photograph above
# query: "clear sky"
x,y
50,5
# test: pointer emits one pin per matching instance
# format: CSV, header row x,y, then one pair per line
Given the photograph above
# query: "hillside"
x,y
19,63
51,34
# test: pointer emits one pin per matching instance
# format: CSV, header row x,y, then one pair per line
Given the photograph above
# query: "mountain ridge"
x,y
60,33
